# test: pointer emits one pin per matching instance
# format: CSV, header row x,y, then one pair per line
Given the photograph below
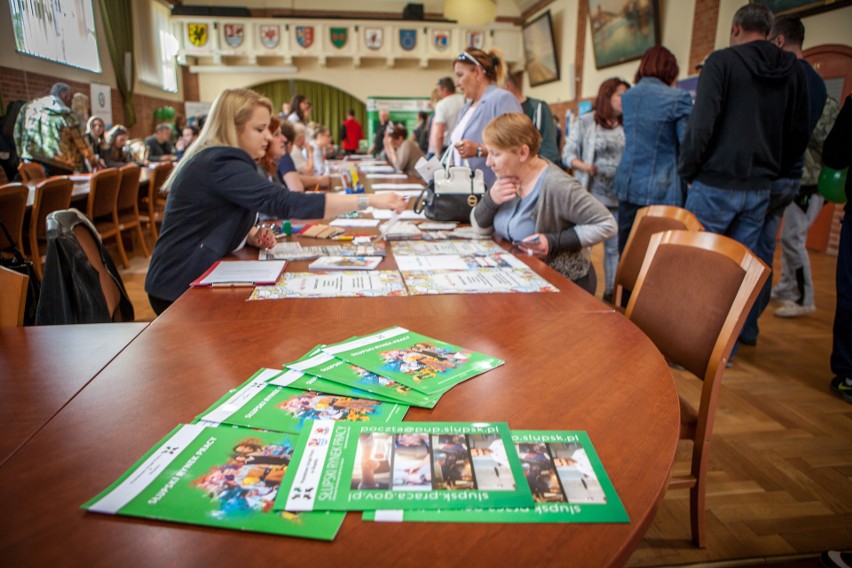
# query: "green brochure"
x,y
218,477
422,363
264,406
331,368
346,466
289,377
568,482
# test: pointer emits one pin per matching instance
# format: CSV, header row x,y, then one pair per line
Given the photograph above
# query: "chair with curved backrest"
x,y
81,283
649,220
153,204
102,207
691,299
128,203
13,297
13,206
52,194
31,171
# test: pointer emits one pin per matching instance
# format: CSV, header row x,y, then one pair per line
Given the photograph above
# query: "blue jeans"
x,y
626,216
841,354
734,213
610,257
781,194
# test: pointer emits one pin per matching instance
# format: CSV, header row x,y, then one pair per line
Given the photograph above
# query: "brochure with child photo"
x,y
426,365
568,482
264,406
218,477
346,466
331,368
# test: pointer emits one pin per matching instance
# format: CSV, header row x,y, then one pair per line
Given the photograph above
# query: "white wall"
x,y
563,14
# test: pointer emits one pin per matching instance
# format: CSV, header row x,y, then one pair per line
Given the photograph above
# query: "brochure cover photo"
x,y
415,465
568,482
219,477
263,406
426,365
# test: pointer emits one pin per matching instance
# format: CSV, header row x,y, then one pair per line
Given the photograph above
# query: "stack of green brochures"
x,y
285,408
568,482
344,466
422,364
220,477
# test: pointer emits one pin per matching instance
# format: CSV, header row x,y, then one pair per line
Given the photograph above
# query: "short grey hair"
x,y
59,89
754,18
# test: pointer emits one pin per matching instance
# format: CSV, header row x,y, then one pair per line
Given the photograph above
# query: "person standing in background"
x,y
48,132
351,133
542,118
593,151
381,131
655,117
446,114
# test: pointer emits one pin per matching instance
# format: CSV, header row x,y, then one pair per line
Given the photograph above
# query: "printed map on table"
x,y
425,364
446,247
568,482
338,284
219,477
457,262
419,465
476,281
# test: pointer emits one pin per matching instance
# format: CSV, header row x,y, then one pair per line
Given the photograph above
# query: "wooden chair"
x,y
13,206
153,204
31,171
3,179
52,194
13,297
102,207
128,203
649,220
691,298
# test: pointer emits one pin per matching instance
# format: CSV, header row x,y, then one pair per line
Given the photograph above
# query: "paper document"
x,y
242,272
393,186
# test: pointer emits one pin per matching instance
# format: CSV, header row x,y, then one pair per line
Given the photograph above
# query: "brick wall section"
x,y
191,89
703,32
19,84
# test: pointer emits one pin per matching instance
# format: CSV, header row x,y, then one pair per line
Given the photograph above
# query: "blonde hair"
x,y
231,110
510,131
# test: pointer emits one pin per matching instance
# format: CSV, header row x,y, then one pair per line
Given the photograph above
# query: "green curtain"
x,y
330,103
118,27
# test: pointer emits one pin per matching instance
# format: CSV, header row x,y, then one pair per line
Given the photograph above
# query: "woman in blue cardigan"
x,y
476,74
216,193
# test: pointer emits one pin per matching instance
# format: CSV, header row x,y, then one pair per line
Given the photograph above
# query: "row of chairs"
x,y
690,293
113,205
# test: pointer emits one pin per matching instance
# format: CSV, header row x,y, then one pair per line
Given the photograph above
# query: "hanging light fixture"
x,y
471,12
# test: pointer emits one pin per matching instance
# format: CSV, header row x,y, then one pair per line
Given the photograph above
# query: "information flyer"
x,y
339,284
477,281
568,482
264,406
427,365
331,368
219,477
415,465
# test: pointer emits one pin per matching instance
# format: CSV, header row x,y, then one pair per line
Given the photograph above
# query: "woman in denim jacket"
x,y
593,151
655,117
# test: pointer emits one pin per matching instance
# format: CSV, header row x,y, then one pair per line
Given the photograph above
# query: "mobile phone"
x,y
520,244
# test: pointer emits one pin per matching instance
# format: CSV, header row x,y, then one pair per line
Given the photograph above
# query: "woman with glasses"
x,y
536,205
477,75
593,151
215,195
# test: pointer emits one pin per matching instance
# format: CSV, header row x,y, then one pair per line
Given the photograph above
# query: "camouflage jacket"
x,y
813,154
49,132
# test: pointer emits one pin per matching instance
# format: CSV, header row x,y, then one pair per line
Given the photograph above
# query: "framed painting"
x,y
542,65
802,8
622,30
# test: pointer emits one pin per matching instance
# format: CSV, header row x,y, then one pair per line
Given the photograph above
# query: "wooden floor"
x,y
780,481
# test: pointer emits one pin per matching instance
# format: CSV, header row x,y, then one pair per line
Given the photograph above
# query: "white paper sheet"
x,y
247,272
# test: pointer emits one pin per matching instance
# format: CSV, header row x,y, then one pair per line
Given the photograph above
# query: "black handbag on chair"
x,y
20,264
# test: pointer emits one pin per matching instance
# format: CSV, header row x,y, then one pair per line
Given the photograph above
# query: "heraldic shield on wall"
x,y
338,37
305,36
408,39
234,34
197,34
373,38
441,39
270,36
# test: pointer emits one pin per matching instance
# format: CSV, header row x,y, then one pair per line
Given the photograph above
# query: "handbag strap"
x,y
19,256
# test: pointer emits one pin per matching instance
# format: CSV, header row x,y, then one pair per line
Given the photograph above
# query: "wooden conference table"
x,y
44,367
80,190
571,364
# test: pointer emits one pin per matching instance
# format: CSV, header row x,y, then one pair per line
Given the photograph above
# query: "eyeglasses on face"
x,y
465,56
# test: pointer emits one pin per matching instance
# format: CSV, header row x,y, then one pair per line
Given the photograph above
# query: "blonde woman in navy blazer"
x,y
477,75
